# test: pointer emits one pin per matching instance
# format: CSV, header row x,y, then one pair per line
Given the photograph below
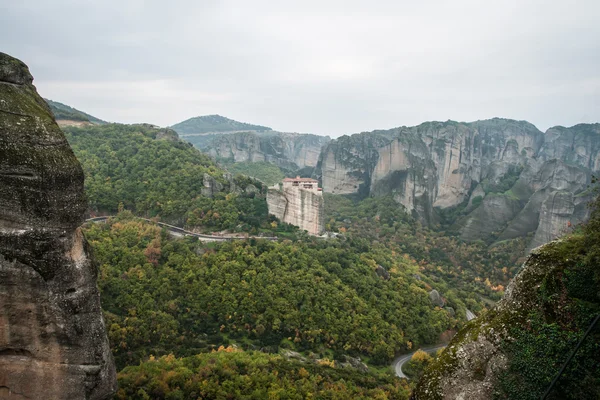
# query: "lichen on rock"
x,y
53,342
517,347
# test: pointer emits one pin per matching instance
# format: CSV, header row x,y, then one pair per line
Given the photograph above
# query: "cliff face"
x,y
499,172
298,207
53,342
291,151
518,347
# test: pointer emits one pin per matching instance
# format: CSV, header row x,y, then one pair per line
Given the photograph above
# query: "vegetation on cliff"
x,y
533,330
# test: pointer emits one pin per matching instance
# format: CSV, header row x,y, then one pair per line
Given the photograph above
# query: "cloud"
x,y
330,67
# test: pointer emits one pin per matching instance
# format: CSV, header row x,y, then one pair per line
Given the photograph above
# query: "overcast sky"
x,y
327,67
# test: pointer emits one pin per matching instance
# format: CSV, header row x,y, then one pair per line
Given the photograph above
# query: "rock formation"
x,y
289,151
53,342
516,348
298,202
504,176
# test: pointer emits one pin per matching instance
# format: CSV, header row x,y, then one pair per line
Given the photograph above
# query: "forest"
x,y
188,319
471,266
149,171
164,295
232,373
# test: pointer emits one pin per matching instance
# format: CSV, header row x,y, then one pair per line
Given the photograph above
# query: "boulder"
x,y
436,299
211,186
382,273
356,363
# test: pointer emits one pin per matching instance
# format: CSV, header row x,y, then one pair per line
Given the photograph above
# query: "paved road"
x,y
177,231
406,358
470,315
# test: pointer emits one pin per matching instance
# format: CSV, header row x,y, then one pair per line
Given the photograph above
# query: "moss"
x,y
537,284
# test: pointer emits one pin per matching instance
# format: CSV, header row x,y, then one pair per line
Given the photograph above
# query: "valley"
x,y
198,276
381,268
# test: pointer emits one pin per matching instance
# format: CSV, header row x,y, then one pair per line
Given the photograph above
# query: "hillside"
x,y
67,115
212,124
252,375
331,298
151,172
515,350
290,153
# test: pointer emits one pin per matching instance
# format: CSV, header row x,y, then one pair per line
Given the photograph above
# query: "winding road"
x,y
177,231
399,362
406,358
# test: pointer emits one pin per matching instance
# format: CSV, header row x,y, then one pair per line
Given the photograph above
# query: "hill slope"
x,y
214,123
149,171
64,114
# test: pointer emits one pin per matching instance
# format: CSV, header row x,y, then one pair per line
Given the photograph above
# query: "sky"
x,y
326,67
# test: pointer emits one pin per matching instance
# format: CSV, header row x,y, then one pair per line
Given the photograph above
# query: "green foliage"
x,y
129,165
178,296
265,172
63,111
506,182
416,366
472,268
214,123
228,374
476,201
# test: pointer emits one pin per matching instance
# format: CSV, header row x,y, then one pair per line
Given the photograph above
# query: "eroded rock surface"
x,y
53,342
553,296
290,151
498,173
295,206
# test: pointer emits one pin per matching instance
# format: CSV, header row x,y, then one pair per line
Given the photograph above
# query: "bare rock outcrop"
x,y
290,151
495,174
299,207
53,342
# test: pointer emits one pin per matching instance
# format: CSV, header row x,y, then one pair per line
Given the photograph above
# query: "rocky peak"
x,y
14,71
53,340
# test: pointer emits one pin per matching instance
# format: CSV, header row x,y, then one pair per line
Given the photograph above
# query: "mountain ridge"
x,y
480,177
493,179
212,124
67,115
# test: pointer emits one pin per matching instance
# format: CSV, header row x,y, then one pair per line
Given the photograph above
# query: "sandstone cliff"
x,y
295,206
503,176
289,151
53,342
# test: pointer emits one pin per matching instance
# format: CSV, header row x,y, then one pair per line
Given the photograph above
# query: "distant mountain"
x,y
67,115
214,124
